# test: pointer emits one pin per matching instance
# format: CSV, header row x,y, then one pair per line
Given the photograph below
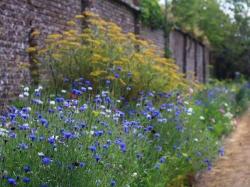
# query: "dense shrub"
x,y
102,52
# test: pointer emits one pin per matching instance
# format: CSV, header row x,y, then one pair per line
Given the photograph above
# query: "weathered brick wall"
x,y
154,35
176,43
123,14
190,55
190,58
17,19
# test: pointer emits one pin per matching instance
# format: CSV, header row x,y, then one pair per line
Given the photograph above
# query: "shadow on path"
x,y
232,170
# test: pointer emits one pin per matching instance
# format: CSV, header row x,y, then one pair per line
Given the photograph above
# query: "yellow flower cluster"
x,y
102,50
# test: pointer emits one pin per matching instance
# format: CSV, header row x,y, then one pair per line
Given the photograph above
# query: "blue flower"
x,y
44,122
163,159
32,137
26,180
23,146
52,140
92,148
113,183
82,164
123,147
117,75
67,135
46,161
12,181
97,158
26,169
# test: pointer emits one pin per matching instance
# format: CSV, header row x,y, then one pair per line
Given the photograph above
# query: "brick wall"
x,y
190,55
17,19
154,35
122,13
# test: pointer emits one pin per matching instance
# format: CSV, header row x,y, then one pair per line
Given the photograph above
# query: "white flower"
x,y
108,111
26,89
134,174
196,140
40,87
52,102
63,91
118,101
202,118
21,96
3,132
102,107
41,154
228,115
90,88
189,111
26,94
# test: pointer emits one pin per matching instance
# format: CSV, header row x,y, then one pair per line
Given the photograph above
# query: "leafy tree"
x,y
152,13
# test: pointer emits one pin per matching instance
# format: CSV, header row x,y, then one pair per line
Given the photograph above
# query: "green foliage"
x,y
203,18
152,14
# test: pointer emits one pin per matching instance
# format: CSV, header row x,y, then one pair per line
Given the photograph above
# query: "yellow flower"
x,y
31,49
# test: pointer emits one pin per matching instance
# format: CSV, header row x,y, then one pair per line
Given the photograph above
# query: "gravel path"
x,y
232,170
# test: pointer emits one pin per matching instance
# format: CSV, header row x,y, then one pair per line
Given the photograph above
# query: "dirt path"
x,y
232,170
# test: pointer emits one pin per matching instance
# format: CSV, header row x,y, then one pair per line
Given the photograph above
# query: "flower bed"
x,y
80,139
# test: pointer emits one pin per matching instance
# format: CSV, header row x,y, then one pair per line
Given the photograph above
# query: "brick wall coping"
x,y
133,4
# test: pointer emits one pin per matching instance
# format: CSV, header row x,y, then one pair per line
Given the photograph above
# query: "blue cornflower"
x,y
76,92
67,135
32,137
159,148
117,75
59,99
83,89
92,148
23,146
26,180
44,122
12,135
108,82
105,146
97,158
113,183
139,156
123,147
26,169
129,74
98,133
163,159
52,140
46,161
83,108
24,127
82,164
12,181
